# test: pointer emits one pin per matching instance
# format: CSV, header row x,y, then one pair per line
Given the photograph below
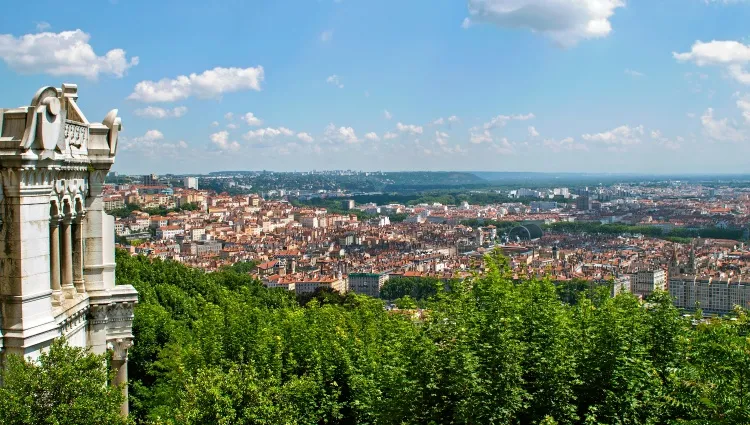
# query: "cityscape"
x,y
681,236
340,212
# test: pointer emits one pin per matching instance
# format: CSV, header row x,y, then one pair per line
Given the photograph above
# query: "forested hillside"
x,y
221,349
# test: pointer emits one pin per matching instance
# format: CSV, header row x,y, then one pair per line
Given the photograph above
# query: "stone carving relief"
x,y
76,134
44,120
112,313
74,320
114,124
119,348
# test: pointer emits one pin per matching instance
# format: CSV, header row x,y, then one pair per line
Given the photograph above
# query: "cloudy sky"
x,y
497,85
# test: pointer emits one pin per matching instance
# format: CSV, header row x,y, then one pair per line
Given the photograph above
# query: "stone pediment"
x,y
53,127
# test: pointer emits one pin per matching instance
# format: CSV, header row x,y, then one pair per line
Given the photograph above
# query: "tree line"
x,y
129,208
219,348
654,231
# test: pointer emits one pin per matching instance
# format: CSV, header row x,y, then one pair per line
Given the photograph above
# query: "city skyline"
x,y
485,85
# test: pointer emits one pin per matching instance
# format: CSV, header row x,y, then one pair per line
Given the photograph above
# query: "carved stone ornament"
x,y
114,124
46,120
119,348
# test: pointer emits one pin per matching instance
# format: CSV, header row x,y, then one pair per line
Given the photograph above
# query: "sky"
x,y
637,86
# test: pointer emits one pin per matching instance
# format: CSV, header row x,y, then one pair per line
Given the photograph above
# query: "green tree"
x,y
220,348
66,385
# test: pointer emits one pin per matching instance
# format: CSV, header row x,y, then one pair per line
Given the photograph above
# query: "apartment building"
x,y
710,294
645,282
367,283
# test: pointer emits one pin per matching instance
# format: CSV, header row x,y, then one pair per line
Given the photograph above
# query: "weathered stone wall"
x,y
57,263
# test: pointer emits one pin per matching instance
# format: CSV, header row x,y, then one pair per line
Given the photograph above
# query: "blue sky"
x,y
497,85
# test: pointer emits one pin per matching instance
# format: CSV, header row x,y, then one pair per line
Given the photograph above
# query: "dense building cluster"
x,y
303,248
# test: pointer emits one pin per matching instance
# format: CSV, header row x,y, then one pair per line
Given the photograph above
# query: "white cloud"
x,y
715,53
221,141
633,73
666,142
305,137
739,74
483,137
232,126
450,120
455,150
731,54
209,84
566,144
502,146
152,145
390,135
441,138
721,129
533,132
43,26
215,124
372,136
387,115
565,21
623,135
145,141
466,23
252,120
152,135
341,134
334,79
267,133
161,113
744,105
64,53
409,128
229,116
326,35
502,120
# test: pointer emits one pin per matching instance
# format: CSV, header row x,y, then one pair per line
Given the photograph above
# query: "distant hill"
x,y
431,178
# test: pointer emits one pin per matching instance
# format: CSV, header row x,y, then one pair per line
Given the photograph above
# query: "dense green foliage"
x,y
419,288
654,231
68,386
129,208
502,226
220,349
422,196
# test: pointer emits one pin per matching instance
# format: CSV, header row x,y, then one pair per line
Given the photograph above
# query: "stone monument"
x,y
57,265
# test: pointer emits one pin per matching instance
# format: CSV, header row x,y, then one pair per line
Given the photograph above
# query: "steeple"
x,y
674,264
692,266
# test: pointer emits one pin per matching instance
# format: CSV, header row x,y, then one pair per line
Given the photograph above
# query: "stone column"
x,y
54,251
78,255
98,260
120,367
67,257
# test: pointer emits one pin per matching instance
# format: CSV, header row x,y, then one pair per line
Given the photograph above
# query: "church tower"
x,y
674,263
691,267
57,264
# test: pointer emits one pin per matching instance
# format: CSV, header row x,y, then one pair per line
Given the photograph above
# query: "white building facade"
x,y
710,294
190,183
58,265
644,282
